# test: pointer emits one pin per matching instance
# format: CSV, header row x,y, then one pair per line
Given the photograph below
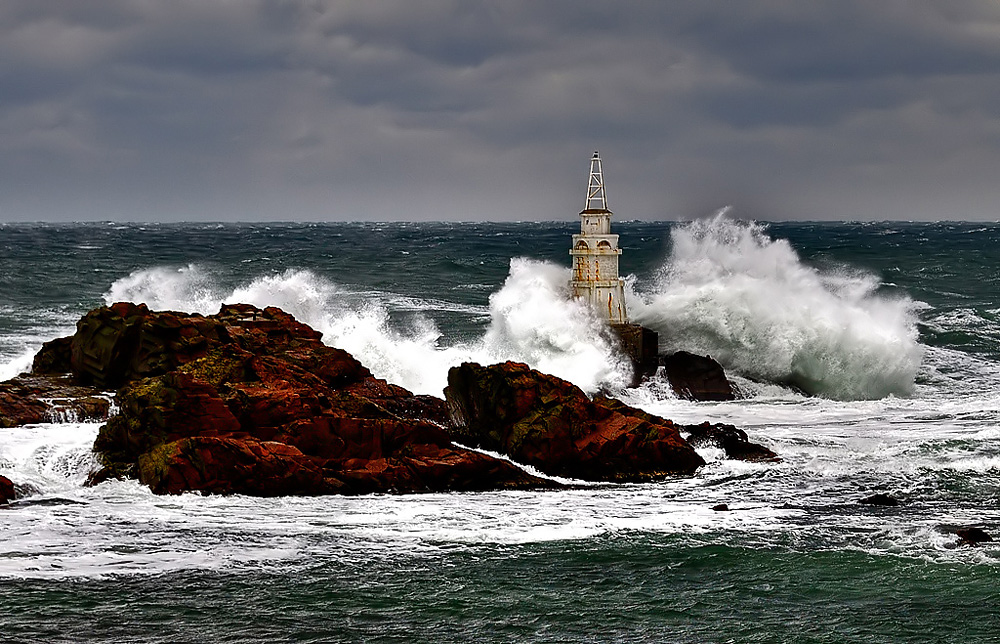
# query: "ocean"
x,y
868,355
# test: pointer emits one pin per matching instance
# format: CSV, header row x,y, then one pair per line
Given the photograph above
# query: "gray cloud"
x,y
194,109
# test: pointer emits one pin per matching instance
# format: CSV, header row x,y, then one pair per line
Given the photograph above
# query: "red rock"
x,y
18,408
6,490
268,410
161,410
400,401
122,342
546,422
231,466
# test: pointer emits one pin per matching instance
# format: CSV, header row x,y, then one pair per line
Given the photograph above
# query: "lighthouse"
x,y
595,253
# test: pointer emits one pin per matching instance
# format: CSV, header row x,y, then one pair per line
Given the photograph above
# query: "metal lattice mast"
x,y
597,198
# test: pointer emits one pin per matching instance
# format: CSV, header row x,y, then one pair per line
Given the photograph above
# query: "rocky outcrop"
x,y
732,440
54,357
550,424
251,401
49,398
697,377
122,342
6,490
691,376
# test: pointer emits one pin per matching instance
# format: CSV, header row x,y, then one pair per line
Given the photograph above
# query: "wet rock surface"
x,y
54,357
697,377
6,490
30,398
880,499
732,440
551,424
250,401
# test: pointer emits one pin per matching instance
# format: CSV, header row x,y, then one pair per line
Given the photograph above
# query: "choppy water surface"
x,y
894,326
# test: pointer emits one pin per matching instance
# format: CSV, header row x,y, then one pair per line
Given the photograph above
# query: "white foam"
x,y
533,319
50,457
188,288
730,291
17,364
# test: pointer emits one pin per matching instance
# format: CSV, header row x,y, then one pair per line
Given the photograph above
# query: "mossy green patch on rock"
x,y
221,366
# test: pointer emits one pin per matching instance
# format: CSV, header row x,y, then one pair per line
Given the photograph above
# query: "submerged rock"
x,y
254,403
881,499
972,536
550,424
6,490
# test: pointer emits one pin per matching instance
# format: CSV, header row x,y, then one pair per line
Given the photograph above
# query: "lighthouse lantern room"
x,y
595,253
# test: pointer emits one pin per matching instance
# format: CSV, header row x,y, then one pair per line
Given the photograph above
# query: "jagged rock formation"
x,y
250,401
550,424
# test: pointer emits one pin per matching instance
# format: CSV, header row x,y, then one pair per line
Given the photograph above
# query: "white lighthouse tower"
x,y
595,253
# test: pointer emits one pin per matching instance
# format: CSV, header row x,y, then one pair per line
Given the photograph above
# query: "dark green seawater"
x,y
895,327
619,589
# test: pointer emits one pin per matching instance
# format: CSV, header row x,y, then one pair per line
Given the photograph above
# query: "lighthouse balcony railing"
x,y
595,251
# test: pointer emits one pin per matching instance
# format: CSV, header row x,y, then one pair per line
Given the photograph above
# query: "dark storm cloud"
x,y
194,109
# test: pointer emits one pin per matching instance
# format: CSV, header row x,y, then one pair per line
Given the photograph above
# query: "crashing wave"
x,y
730,291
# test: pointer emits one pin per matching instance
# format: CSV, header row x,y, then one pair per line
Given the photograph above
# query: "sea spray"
x,y
730,291
532,319
17,364
189,288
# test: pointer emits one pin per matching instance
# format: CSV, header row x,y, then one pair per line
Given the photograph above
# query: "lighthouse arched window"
x,y
581,270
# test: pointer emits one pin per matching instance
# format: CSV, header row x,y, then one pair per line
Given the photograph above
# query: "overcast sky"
x,y
168,110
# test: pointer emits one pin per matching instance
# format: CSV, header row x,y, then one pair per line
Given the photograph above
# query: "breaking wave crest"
x,y
730,291
532,320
